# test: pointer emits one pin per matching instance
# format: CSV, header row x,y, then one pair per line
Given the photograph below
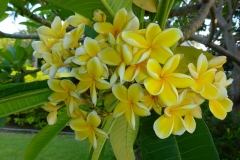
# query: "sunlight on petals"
x,y
217,62
67,85
151,31
131,72
120,17
180,80
94,67
109,56
83,86
160,53
54,85
104,28
202,64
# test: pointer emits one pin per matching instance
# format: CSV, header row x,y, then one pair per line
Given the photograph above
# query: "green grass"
x,y
62,147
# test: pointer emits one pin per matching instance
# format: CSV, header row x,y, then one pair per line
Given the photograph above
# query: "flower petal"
x,y
120,92
202,64
102,84
52,118
131,72
91,46
100,133
104,28
93,93
217,62
168,37
170,65
83,86
120,20
109,56
140,109
151,31
58,97
217,110
169,94
193,71
95,67
190,123
179,80
135,93
141,55
179,125
154,69
130,117
134,39
160,53
93,119
153,86
54,85
92,139
209,91
67,85
120,108
127,53
82,135
79,124
226,103
163,126
40,47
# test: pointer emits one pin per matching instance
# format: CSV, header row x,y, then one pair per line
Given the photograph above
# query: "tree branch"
x,y
181,11
19,36
216,48
212,28
197,21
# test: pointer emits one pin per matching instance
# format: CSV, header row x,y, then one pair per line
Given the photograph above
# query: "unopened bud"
x,y
99,16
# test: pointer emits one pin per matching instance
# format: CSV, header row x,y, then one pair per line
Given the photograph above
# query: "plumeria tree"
x,y
129,80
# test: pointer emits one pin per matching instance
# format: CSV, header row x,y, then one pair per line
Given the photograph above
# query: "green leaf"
x,y
86,8
196,146
163,10
18,97
7,55
3,121
122,138
101,141
14,88
190,55
110,102
3,6
40,141
4,16
22,101
46,7
90,32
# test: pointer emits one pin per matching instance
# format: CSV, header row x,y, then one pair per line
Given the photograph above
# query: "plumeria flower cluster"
x,y
137,66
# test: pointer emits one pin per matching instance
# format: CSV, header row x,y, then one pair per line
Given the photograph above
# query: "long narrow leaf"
x,y
122,138
14,88
86,8
22,101
195,146
38,143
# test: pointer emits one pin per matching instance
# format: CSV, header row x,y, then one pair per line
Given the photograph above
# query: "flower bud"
x,y
99,16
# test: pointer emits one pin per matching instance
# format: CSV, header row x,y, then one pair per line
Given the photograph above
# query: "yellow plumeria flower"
x,y
155,43
99,16
57,30
217,62
122,21
71,39
64,90
88,128
221,105
130,103
190,124
78,19
203,78
92,78
79,113
154,102
171,121
52,108
163,81
42,46
53,63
